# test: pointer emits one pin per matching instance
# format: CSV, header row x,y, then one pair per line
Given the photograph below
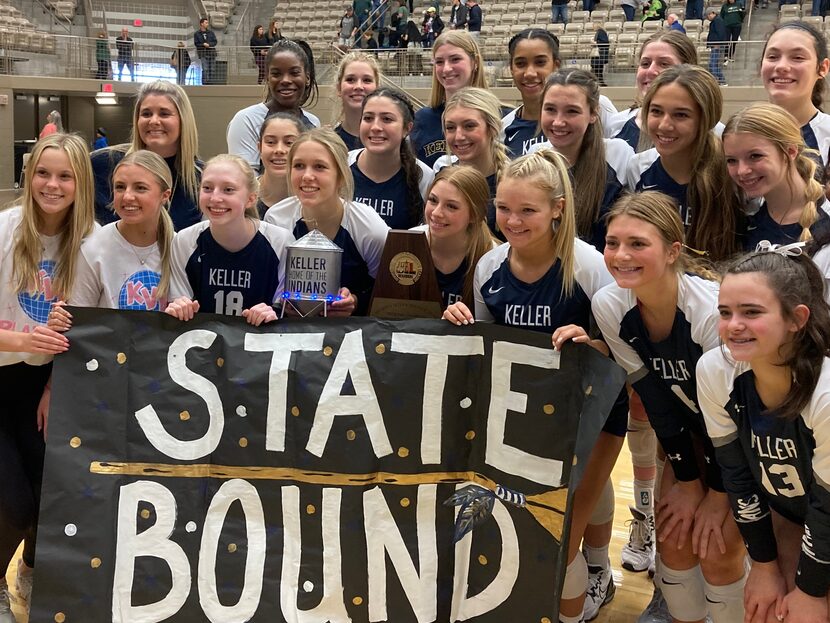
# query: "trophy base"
x,y
304,308
401,309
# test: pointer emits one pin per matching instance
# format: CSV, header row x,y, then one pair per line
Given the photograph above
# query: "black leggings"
x,y
21,458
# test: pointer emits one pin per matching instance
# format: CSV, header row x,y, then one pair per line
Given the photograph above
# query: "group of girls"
x,y
740,425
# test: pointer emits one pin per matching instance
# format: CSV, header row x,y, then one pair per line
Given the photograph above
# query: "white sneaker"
x,y
6,615
601,591
656,611
23,585
638,554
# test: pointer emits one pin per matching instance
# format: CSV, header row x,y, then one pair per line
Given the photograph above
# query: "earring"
x,y
554,224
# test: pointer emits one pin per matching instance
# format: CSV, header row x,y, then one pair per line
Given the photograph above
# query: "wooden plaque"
x,y
406,285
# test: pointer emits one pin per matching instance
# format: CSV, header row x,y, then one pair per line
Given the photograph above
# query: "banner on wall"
x,y
327,470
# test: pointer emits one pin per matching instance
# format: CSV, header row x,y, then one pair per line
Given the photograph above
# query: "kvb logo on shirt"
x,y
140,292
38,304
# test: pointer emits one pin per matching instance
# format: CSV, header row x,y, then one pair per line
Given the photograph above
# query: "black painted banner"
x,y
300,472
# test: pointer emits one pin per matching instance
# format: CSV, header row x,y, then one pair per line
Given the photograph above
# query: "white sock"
x,y
596,556
567,619
644,496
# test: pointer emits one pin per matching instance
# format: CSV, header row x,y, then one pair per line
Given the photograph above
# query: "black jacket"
x,y
717,31
459,14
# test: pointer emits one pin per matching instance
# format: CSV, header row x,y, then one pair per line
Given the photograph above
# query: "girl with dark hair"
x,y
794,66
765,397
290,84
534,55
658,320
679,113
387,176
259,45
279,131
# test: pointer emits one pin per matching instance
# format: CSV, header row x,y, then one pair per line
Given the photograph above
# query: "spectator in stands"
x,y
361,11
431,27
53,124
347,29
600,59
474,18
715,41
100,139
102,56
125,46
559,11
732,14
456,63
259,48
291,84
629,7
694,9
273,33
398,20
205,41
162,123
368,41
653,10
674,23
181,62
458,15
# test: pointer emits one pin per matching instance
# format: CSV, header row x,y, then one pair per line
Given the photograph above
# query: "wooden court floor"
x,y
633,589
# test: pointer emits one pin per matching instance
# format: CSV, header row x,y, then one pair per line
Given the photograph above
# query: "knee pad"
x,y
726,603
604,508
642,442
576,578
684,593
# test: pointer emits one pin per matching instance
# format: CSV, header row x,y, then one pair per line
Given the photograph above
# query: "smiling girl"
x,y
386,174
41,241
290,84
163,123
323,187
543,279
358,75
232,263
570,122
456,63
681,108
658,320
766,403
767,159
279,131
794,66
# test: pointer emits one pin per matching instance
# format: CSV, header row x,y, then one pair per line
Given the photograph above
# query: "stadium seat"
x,y
574,28
652,26
790,10
556,29
580,16
633,27
612,27
584,45
814,20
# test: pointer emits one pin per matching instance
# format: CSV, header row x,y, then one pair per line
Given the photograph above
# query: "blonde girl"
x,y
358,75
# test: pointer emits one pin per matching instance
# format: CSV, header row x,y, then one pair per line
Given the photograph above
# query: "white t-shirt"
x,y
243,131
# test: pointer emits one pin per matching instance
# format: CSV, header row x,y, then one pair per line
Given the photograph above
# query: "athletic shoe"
x,y
6,615
656,611
23,585
638,553
601,591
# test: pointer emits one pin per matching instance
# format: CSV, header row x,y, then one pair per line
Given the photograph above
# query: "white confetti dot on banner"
x,y
70,529
465,403
190,526
92,365
308,586
241,411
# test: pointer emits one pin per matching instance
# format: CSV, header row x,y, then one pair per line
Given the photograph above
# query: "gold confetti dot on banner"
x,y
243,442
95,563
405,502
588,390
121,357
471,434
403,452
220,362
231,548
327,351
145,514
75,442
60,617
184,416
357,600
295,411
545,620
482,559
310,509
380,349
548,409
350,435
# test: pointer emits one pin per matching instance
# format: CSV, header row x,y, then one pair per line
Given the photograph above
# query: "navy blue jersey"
x,y
816,134
520,134
662,372
761,226
427,136
452,285
540,306
646,172
630,133
769,461
362,235
492,184
184,209
226,282
352,141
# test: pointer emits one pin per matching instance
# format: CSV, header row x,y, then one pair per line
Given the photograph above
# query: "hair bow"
x,y
794,249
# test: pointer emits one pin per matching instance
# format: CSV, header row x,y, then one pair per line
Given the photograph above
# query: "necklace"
x,y
141,260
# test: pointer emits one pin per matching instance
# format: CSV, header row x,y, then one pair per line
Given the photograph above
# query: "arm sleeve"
x,y
480,311
749,504
179,285
242,138
86,291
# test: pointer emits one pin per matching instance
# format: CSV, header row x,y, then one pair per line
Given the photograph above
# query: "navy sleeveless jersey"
x,y
352,141
520,134
427,136
646,172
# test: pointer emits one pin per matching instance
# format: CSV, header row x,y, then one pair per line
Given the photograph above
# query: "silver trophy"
x,y
312,277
